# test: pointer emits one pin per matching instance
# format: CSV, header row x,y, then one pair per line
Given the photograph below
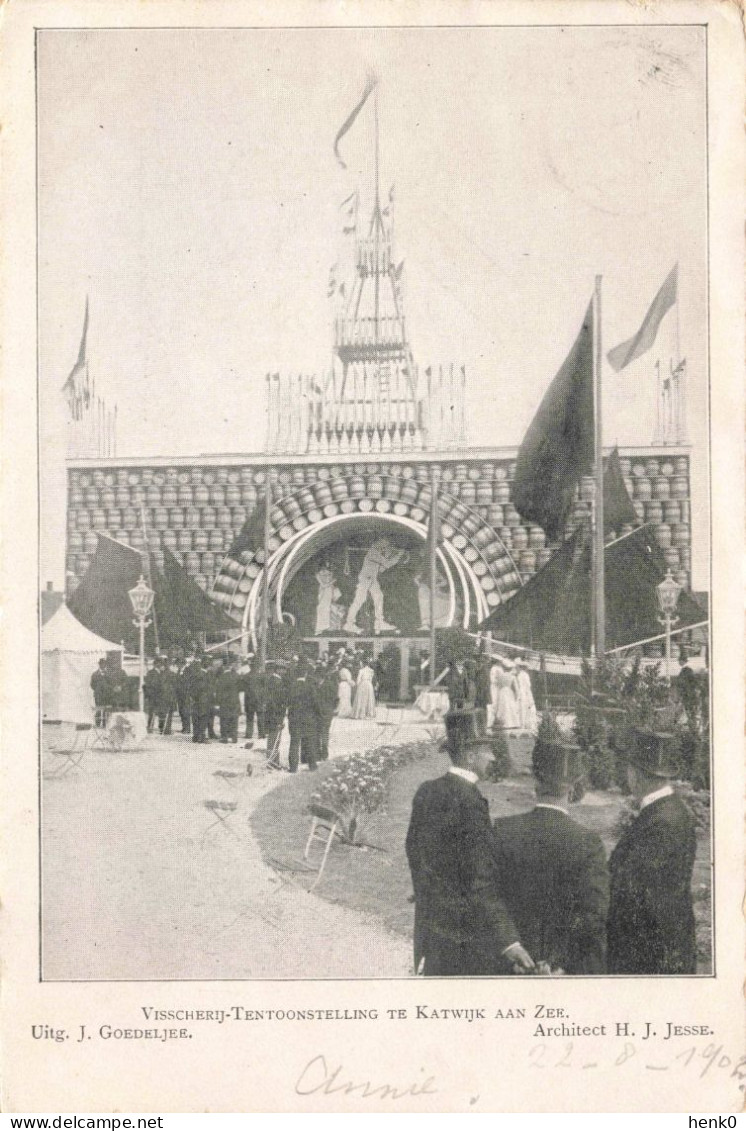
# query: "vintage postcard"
x,y
373,536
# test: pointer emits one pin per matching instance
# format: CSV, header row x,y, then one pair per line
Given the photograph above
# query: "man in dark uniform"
x,y
229,703
553,872
462,927
151,685
202,698
214,668
101,699
460,686
253,700
303,717
183,695
166,699
275,706
328,693
651,919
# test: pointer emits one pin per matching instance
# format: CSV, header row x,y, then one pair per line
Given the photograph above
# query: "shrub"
x,y
502,766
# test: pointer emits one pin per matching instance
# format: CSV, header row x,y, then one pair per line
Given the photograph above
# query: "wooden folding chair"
x,y
68,754
222,811
325,825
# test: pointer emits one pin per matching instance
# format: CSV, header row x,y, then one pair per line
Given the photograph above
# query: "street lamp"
x,y
668,596
141,599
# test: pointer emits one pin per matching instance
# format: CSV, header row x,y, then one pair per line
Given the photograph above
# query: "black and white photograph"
x,y
377,513
385,475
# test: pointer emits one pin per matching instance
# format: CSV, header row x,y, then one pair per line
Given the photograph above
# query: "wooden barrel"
x,y
495,515
483,537
484,492
357,487
401,509
460,472
169,496
488,583
681,535
286,532
652,468
221,475
330,510
480,567
679,487
653,512
322,494
315,515
305,497
661,488
91,496
224,518
98,519
153,496
258,477
137,539
391,487
75,542
246,475
248,495
383,506
217,496
468,492
301,522
168,539
671,558
122,496
113,519
291,507
536,538
176,518
527,561
216,540
471,554
239,516
232,495
375,487
339,489
83,520
200,540
643,489
663,535
672,511
409,492
365,505
90,543
209,517
460,542
520,538
587,490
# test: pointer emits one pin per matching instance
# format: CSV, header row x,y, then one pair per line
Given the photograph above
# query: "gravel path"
x,y
137,886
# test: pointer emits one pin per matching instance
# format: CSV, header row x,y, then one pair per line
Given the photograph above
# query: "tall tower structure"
x,y
374,399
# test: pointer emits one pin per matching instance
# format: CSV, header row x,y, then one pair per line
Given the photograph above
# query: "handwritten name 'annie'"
x,y
320,1078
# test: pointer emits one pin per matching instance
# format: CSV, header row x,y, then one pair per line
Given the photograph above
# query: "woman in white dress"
x,y
344,694
504,701
364,706
527,716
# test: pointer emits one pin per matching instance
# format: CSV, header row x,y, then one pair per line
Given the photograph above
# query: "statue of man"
x,y
381,556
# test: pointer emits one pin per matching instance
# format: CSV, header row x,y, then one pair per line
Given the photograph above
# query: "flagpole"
x,y
433,565
599,589
265,604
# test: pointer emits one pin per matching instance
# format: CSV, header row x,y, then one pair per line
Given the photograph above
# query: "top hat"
x,y
651,752
557,763
464,729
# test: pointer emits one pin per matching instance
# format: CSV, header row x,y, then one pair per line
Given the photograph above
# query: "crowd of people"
x,y
498,686
534,893
208,693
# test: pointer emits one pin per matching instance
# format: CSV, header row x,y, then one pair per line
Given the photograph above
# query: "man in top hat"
x,y
227,687
553,873
462,927
650,927
275,708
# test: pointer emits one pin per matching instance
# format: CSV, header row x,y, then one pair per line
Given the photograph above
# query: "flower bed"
x,y
357,786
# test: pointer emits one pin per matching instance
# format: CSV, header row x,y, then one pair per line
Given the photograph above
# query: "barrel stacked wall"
x,y
196,510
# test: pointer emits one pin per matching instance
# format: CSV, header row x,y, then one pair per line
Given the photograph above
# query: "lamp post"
x,y
141,599
668,596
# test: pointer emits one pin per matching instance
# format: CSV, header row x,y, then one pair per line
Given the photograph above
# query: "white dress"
x,y
364,706
504,699
526,706
344,694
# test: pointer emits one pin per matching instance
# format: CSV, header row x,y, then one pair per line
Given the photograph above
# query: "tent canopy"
x,y
70,653
64,633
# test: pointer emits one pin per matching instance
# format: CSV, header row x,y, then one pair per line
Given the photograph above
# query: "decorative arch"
x,y
470,548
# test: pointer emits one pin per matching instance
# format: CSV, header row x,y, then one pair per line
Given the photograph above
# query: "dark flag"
x,y
350,120
645,337
618,507
101,601
183,609
559,445
251,535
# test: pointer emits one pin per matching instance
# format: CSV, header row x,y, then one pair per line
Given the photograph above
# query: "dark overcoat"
x,y
461,924
555,882
651,918
275,700
227,688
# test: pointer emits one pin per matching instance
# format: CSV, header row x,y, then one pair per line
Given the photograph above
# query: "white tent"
x,y
69,656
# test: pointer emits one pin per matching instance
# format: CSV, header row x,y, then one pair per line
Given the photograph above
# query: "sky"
x,y
188,187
